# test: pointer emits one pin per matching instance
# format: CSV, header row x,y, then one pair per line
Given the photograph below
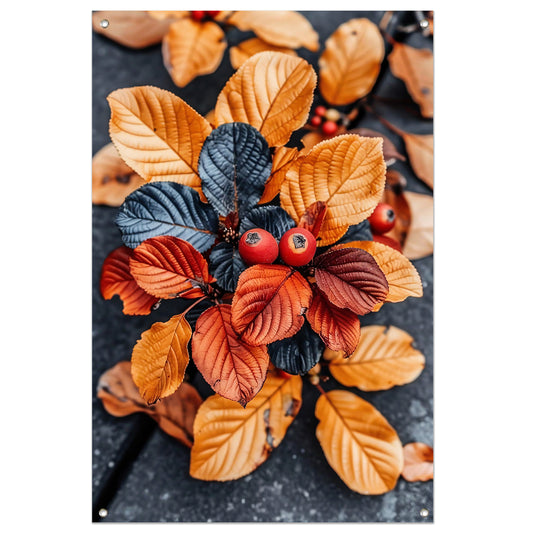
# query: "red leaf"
x,y
351,278
234,369
340,329
269,303
168,267
117,279
313,217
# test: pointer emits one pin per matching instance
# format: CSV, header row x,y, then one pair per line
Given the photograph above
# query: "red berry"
x,y
382,219
388,241
198,15
329,127
258,246
212,14
315,121
297,247
320,110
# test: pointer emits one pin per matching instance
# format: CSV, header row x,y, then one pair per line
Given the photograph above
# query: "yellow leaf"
x,y
346,172
280,28
281,159
160,357
419,240
157,134
383,359
420,152
192,49
240,53
230,442
271,91
350,64
358,442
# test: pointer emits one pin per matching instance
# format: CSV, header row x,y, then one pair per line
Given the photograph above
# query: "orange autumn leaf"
x,y
160,357
394,195
383,359
414,66
174,414
418,462
280,28
113,180
230,442
239,53
157,134
192,49
313,217
269,303
358,442
272,92
346,172
350,64
163,15
281,159
419,240
234,369
420,153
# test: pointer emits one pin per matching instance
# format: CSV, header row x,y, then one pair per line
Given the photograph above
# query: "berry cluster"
x,y
326,119
202,15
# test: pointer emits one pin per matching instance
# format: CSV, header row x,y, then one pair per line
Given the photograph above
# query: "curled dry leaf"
x,y
281,28
420,152
350,64
313,217
419,241
230,442
160,357
240,53
281,160
383,359
418,462
358,442
174,414
414,67
272,92
113,180
192,49
157,134
346,172
135,29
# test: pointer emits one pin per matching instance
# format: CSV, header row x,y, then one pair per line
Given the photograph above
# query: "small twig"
x,y
385,122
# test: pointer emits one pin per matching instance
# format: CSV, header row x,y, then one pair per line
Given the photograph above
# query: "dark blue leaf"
x,y
297,354
268,217
234,164
226,265
167,208
358,232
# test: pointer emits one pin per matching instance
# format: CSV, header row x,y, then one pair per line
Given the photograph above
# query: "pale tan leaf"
x,y
230,442
272,92
358,442
281,160
418,462
383,359
174,15
113,180
157,134
420,152
350,64
281,28
192,49
419,241
239,53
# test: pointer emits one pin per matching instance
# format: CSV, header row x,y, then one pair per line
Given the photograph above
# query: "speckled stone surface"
x,y
142,473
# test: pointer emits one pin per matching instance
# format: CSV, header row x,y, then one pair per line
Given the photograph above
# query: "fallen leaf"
x,y
113,180
420,152
393,194
281,159
351,61
281,28
358,442
233,369
419,241
418,462
163,15
390,152
239,53
313,217
230,442
414,66
175,414
192,49
160,357
272,92
383,359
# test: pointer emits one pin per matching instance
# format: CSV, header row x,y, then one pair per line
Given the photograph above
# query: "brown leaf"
x,y
393,194
174,414
414,66
239,53
420,152
313,217
419,241
192,49
230,442
160,357
157,134
281,160
135,29
350,64
383,359
358,442
418,462
390,153
113,180
234,369
272,92
281,28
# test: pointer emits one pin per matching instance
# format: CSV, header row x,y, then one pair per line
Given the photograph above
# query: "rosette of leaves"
x,y
205,187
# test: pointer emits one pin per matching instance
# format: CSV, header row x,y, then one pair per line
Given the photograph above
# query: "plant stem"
x,y
385,122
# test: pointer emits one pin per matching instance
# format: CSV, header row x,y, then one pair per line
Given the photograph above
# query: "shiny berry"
x,y
332,114
258,246
383,239
329,127
315,121
320,110
297,247
382,219
198,15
